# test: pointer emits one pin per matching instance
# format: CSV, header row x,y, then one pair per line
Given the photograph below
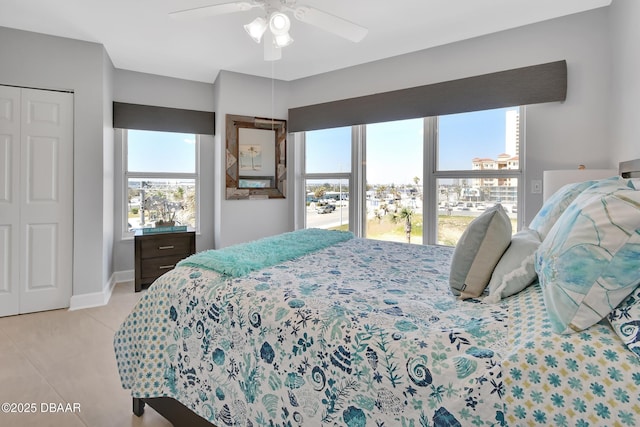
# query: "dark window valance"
x,y
521,86
147,117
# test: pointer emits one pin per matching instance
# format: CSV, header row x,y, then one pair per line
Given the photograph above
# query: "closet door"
x,y
46,208
9,198
38,216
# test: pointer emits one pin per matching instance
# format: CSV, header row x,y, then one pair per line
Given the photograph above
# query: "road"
x,y
327,220
341,216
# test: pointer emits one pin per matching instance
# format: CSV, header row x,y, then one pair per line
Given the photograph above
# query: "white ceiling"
x,y
139,35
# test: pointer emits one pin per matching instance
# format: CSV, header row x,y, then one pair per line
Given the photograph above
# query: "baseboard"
x,y
125,276
97,299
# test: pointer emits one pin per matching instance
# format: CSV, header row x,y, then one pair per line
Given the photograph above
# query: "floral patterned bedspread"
x,y
361,333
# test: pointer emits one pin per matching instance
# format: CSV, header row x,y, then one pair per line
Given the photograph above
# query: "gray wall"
x,y
46,62
625,79
558,135
242,220
149,89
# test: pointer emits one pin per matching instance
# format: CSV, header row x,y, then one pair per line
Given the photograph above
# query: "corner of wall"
x,y
93,299
108,168
624,82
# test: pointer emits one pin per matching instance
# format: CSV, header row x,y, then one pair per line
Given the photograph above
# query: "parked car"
x,y
325,209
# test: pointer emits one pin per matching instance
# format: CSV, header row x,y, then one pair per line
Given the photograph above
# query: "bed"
x,y
345,331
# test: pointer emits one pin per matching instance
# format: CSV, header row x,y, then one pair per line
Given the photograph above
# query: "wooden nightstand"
x,y
158,253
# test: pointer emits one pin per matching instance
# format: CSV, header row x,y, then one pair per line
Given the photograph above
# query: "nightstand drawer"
x,y
156,267
167,246
158,253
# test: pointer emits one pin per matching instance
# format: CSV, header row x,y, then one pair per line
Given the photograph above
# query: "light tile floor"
x,y
65,357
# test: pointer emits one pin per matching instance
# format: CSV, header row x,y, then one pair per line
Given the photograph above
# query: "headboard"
x,y
630,169
552,180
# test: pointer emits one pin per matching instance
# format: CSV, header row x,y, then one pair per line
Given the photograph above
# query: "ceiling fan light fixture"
x,y
279,23
282,40
256,29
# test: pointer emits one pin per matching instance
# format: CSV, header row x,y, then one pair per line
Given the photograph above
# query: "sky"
x,y
394,149
150,151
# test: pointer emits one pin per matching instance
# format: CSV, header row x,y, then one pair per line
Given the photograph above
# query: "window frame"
x,y
301,217
431,175
126,234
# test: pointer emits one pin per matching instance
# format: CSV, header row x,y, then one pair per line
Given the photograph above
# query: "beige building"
x,y
503,162
495,189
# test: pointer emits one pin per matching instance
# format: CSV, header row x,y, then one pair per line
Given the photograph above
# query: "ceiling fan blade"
x,y
331,23
214,10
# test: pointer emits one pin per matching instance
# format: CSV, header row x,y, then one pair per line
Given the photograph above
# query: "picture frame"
x,y
263,173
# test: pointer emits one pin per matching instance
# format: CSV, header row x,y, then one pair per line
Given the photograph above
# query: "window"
x,y
161,179
477,166
327,178
394,171
425,179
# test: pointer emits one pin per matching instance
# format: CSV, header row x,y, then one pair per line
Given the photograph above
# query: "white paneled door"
x,y
36,200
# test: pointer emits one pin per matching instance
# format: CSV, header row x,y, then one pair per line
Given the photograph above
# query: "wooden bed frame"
x,y
175,412
179,415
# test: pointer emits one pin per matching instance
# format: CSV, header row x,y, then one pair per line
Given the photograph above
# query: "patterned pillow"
x,y
555,205
588,263
478,251
625,320
515,270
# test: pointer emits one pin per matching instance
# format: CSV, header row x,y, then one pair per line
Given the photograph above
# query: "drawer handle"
x,y
166,247
166,267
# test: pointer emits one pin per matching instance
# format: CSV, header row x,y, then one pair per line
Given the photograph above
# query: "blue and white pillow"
x,y
625,321
555,205
588,263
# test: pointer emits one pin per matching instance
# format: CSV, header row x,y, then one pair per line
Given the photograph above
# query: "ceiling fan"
x,y
277,22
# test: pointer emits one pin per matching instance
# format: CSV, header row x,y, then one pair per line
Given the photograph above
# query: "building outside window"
x,y
161,179
425,179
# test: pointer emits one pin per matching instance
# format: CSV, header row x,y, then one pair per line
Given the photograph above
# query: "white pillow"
x,y
478,251
516,269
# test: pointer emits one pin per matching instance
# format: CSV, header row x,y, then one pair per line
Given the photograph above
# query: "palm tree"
x,y
253,152
378,215
406,215
416,181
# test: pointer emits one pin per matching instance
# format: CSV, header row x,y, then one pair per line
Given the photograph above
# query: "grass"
x,y
385,229
450,228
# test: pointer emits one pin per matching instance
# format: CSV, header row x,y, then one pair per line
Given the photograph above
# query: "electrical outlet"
x,y
536,186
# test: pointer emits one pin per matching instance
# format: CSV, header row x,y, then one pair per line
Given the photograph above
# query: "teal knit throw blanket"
x,y
241,259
